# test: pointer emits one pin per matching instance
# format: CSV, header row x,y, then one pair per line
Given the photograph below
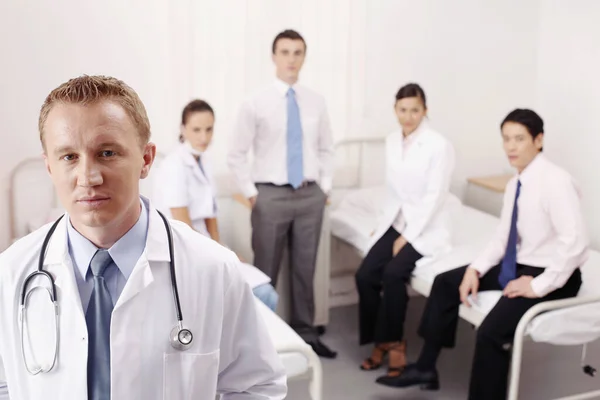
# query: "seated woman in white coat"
x,y
415,223
184,188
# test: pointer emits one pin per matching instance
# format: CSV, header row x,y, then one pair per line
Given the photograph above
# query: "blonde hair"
x,y
87,90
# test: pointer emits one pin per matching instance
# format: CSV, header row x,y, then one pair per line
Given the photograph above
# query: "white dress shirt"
x,y
262,126
550,226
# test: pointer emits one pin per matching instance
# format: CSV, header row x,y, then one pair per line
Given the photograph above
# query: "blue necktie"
x,y
509,263
98,322
294,141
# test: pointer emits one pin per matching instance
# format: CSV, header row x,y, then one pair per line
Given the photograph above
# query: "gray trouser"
x,y
284,216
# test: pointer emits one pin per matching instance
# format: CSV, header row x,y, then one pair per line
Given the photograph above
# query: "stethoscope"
x,y
180,338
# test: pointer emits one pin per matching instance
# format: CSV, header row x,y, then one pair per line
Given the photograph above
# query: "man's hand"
x,y
398,245
520,287
469,285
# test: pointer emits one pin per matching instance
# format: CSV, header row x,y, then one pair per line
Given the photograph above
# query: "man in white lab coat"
x,y
109,259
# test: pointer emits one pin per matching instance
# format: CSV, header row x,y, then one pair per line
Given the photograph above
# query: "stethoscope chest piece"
x,y
181,338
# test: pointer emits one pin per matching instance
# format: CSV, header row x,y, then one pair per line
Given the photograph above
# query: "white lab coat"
x,y
180,183
419,186
231,354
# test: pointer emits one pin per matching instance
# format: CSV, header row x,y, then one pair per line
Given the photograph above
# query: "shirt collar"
x,y
283,87
530,170
416,134
125,252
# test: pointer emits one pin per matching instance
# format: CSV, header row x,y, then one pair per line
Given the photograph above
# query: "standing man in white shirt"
x,y
535,256
287,127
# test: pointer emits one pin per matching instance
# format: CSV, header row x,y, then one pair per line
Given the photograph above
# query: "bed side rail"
x,y
521,332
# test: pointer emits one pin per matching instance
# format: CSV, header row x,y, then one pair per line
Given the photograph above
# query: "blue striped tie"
x,y
294,142
98,322
508,271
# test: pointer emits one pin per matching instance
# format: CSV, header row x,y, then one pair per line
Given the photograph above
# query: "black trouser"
x,y
489,374
382,315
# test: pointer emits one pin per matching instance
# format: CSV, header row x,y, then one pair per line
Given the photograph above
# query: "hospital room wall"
x,y
568,95
44,44
475,60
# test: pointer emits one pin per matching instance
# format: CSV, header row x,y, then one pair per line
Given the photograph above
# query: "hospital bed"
x,y
33,202
359,196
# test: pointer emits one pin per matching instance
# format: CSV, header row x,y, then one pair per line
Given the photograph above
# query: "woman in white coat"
x,y
185,188
415,223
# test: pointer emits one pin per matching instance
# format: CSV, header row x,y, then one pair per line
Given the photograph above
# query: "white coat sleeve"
x,y
3,387
173,185
250,368
438,186
241,142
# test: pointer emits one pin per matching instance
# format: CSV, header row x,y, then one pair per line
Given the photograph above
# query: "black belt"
x,y
302,185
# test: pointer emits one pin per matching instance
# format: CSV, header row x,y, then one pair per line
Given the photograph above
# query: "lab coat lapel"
x,y
191,163
156,249
130,321
59,264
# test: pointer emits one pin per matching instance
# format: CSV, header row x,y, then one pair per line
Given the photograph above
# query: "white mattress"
x,y
288,344
354,219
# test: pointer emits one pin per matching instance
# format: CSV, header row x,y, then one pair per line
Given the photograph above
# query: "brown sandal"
x,y
397,359
376,360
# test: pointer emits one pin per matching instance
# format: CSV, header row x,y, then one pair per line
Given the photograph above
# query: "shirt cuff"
x,y
326,184
539,287
249,190
481,266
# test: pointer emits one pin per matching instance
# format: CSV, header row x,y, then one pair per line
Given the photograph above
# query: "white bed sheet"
x,y
354,219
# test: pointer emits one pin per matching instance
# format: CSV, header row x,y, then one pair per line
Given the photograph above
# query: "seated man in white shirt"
x,y
534,256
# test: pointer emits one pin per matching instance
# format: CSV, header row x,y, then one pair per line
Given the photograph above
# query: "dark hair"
x,y
288,34
412,90
193,107
528,118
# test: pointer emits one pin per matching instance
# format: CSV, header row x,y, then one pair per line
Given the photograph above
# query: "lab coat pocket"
x,y
191,376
